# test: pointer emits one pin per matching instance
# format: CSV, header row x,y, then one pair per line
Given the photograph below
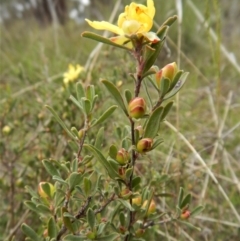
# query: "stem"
x,y
140,65
68,193
158,103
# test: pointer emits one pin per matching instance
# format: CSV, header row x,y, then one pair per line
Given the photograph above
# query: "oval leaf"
x,y
50,168
74,180
99,156
52,229
105,115
153,123
177,87
91,218
29,232
61,122
115,94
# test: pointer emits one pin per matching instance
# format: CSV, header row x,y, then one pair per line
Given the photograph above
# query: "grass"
x,y
202,156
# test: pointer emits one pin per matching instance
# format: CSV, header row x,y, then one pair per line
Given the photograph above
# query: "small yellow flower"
x,y
137,19
6,129
72,73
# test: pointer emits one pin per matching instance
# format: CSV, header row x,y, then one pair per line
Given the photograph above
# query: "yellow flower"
x,y
136,20
72,73
6,129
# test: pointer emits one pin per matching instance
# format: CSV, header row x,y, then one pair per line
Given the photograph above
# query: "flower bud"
x,y
144,145
152,207
122,156
91,235
121,172
137,107
81,133
42,193
169,72
125,194
139,233
137,201
185,214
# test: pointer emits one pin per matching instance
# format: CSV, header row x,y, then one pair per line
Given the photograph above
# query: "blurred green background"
x,y
39,40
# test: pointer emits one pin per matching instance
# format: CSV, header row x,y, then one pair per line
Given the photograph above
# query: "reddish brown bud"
x,y
137,107
185,214
144,145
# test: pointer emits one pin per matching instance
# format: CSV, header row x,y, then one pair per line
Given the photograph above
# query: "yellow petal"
x,y
103,25
151,8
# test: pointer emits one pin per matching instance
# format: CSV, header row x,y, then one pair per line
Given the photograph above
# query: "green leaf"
x,y
47,189
157,142
43,209
180,196
76,102
177,87
90,92
99,156
29,232
80,91
166,110
157,47
52,229
197,210
153,123
109,237
61,122
126,204
151,71
128,95
86,104
170,21
164,86
128,172
189,225
59,179
71,237
91,218
122,219
99,138
162,32
136,181
176,79
148,52
67,221
101,228
75,132
186,201
31,191
74,165
113,151
32,206
74,180
50,168
87,184
102,39
86,160
105,115
115,94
